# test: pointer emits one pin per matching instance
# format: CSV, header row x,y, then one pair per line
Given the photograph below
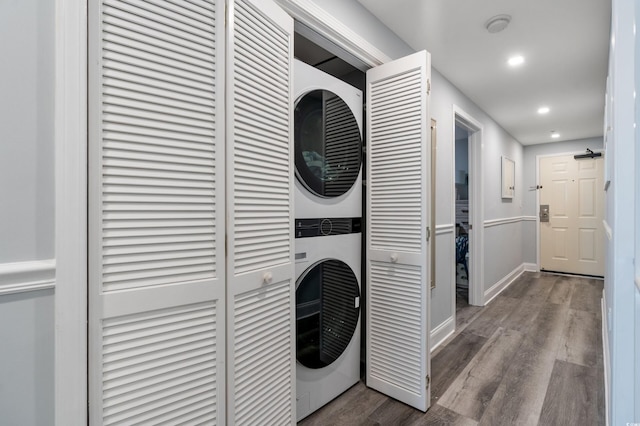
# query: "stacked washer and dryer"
x,y
328,212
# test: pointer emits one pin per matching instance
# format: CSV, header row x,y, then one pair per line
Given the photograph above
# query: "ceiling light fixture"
x,y
554,134
543,110
514,61
497,23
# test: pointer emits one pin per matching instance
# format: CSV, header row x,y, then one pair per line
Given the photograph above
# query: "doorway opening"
x,y
462,216
467,210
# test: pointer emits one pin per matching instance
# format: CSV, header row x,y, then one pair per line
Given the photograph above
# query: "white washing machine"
x,y
327,312
328,145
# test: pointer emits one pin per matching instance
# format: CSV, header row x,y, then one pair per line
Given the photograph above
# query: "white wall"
x,y
26,130
27,209
622,296
502,243
26,359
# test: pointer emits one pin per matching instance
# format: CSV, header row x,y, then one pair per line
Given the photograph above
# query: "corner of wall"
x,y
505,282
440,333
605,354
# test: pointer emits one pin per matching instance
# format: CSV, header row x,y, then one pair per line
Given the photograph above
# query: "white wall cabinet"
x,y
190,201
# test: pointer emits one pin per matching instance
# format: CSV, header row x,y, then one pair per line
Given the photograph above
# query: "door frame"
x,y
476,207
537,213
71,143
325,30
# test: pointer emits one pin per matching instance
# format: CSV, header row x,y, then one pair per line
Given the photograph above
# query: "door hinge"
x,y
428,233
428,86
428,381
470,227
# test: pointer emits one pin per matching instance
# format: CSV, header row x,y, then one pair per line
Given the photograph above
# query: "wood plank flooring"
x,y
533,356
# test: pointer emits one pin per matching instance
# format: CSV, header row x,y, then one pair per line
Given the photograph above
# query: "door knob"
x,y
394,258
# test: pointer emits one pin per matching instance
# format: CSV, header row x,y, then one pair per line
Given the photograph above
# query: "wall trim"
x,y
505,282
504,221
20,277
607,230
70,298
605,353
529,218
441,332
312,20
445,229
530,267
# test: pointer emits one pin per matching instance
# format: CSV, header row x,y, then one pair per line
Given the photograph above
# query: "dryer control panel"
x,y
321,227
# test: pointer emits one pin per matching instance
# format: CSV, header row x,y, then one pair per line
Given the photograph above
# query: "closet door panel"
x,y
397,219
260,289
156,212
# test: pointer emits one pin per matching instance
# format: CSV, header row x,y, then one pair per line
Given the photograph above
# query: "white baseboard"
x,y
605,354
530,267
505,282
34,275
441,332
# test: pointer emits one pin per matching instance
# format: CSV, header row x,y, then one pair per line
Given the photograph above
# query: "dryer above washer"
x,y
328,145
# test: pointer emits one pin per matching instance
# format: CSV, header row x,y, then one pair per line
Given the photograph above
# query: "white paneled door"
x,y
398,170
260,268
572,241
156,212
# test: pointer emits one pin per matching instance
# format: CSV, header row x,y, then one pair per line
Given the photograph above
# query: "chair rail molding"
x,y
19,277
506,220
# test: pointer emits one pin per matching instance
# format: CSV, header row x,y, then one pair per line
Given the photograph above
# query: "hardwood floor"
x,y
533,356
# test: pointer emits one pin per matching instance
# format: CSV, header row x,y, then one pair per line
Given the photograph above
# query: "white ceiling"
x,y
565,44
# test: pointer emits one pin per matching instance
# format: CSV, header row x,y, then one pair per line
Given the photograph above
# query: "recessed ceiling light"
x,y
554,134
514,61
543,110
497,23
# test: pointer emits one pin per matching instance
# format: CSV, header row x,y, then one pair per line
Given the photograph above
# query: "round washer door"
x,y
327,312
328,144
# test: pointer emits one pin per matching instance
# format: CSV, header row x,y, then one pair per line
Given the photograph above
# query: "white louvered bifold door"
x,y
156,212
260,269
397,219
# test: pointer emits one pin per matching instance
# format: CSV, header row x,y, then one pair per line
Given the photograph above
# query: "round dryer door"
x,y
327,312
328,145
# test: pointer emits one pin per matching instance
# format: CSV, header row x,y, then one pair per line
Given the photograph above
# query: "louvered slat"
x,y
159,145
262,143
159,365
263,355
391,300
395,192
